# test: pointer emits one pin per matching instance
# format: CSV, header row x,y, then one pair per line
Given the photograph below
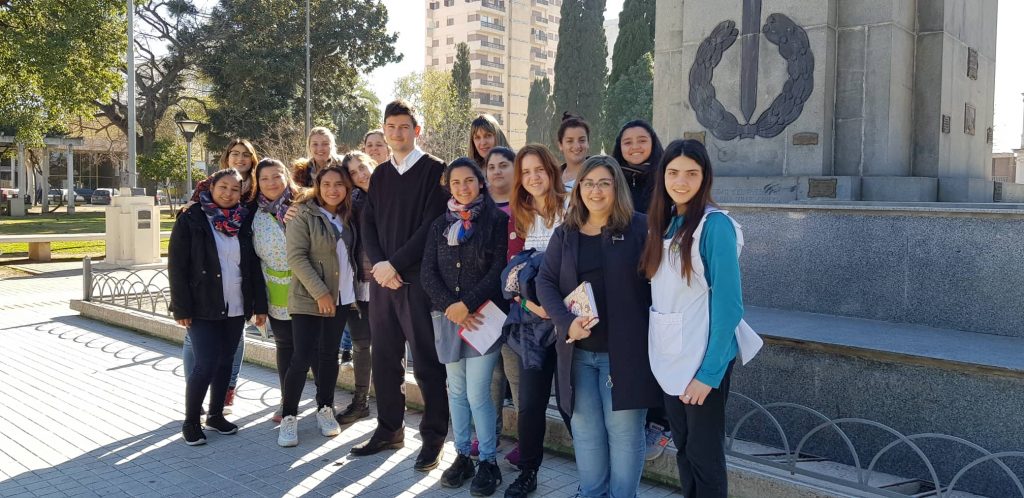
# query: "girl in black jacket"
x,y
462,263
216,285
638,151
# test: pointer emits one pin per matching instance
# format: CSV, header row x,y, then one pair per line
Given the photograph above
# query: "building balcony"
x,y
492,83
486,65
541,2
486,46
538,55
492,102
490,26
538,73
498,5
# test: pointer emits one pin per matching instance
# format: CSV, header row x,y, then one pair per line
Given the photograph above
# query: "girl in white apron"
x,y
695,332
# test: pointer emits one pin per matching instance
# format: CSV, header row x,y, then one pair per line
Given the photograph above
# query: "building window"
x,y
435,5
434,61
450,41
450,59
435,43
449,3
451,21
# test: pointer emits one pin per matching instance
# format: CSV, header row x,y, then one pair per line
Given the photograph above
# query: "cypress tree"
x,y
635,41
539,112
460,77
581,65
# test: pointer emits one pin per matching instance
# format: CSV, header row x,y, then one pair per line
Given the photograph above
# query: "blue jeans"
x,y
469,401
346,340
188,357
609,445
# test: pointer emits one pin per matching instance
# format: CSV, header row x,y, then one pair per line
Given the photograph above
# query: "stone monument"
x,y
874,100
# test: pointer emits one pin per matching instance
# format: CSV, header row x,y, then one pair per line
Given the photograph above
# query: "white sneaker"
x,y
288,433
325,419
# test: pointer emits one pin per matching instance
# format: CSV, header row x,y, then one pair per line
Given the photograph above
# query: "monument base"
x,y
785,189
133,231
1009,192
899,189
965,190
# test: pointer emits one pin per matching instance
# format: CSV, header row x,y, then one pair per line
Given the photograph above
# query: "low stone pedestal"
x,y
133,231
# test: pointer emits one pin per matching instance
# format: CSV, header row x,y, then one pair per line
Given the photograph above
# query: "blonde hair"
x,y
321,130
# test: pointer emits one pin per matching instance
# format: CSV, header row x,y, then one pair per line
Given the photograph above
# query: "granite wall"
x,y
957,268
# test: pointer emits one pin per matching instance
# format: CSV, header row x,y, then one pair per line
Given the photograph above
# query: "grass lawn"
x,y
85,222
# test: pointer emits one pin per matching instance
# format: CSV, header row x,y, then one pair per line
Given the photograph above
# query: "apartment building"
x,y
511,42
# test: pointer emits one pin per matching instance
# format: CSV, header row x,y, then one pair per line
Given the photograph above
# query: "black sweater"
x,y
458,273
398,212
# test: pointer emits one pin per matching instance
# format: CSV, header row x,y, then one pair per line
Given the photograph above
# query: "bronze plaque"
x,y
945,123
822,187
805,138
972,63
969,117
695,135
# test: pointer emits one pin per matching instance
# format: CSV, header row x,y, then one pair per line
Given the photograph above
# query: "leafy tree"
x,y
581,63
57,58
634,43
632,97
409,88
165,162
539,112
460,77
256,61
359,114
445,122
168,39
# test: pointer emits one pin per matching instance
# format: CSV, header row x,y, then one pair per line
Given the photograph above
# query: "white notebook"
x,y
484,337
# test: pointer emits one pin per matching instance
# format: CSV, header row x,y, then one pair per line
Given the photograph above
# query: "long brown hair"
x,y
622,208
521,202
487,123
344,210
659,215
248,175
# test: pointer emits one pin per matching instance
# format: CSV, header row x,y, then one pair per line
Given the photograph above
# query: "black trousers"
x,y
396,317
315,338
698,432
534,398
214,343
362,358
283,346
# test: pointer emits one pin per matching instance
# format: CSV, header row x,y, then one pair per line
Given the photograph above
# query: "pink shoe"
x,y
513,456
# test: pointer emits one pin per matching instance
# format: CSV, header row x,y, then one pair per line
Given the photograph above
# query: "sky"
x,y
410,23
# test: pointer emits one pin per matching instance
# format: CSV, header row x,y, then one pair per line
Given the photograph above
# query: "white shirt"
x,y
346,276
230,255
539,234
410,160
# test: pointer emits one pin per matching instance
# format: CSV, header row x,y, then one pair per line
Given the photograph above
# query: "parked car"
x,y
102,196
162,199
83,194
56,194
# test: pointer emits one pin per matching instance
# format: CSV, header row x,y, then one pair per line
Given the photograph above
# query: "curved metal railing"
x,y
791,456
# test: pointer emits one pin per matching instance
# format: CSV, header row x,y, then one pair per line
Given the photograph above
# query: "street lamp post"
x,y
188,129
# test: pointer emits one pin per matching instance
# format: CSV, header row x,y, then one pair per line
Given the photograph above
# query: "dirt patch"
x,y
8,272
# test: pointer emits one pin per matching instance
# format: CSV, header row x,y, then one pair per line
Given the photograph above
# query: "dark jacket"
x,y
450,274
629,299
313,258
364,273
193,269
640,183
527,334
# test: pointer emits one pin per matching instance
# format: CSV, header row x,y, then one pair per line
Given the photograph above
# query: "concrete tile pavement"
x,y
94,410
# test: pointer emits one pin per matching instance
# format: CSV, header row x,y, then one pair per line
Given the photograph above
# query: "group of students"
x,y
420,259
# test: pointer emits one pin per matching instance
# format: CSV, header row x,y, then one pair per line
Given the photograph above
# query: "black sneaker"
x,y
221,425
193,434
525,484
488,478
346,356
456,475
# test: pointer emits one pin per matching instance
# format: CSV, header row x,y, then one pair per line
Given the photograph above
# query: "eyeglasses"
x,y
589,185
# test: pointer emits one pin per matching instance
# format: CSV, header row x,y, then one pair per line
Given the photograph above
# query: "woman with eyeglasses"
x,y
604,377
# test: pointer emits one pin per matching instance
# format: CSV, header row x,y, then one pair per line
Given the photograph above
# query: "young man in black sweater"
x,y
406,197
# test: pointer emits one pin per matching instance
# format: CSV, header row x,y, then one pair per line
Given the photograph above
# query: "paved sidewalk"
x,y
94,410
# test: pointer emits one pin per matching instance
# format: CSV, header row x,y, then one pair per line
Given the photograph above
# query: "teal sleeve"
x,y
722,270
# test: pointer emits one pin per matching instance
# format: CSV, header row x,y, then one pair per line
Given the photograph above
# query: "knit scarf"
x,y
277,207
226,221
461,217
